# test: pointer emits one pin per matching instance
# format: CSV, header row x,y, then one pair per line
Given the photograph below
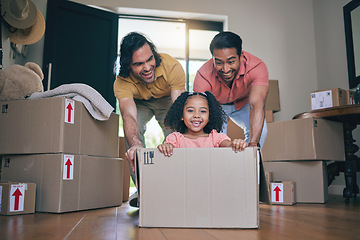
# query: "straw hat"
x,y
30,35
19,13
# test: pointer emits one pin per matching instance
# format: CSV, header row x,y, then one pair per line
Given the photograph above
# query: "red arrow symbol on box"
x,y
277,190
17,195
68,164
69,108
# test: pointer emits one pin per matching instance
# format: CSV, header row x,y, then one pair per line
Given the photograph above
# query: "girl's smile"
x,y
196,115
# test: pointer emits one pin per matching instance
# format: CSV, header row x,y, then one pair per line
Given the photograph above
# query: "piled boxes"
x,y
298,150
72,158
272,105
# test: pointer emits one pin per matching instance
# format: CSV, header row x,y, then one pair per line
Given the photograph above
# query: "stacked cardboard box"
x,y
272,105
57,144
298,150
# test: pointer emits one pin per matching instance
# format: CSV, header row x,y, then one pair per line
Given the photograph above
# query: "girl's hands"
x,y
238,145
166,149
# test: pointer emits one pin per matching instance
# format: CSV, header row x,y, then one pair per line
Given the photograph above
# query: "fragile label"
x,y
68,167
321,99
17,196
277,192
148,157
69,111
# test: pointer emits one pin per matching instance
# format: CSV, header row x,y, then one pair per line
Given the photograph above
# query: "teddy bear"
x,y
19,82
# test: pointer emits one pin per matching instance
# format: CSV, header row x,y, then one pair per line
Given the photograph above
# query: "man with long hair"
x,y
147,85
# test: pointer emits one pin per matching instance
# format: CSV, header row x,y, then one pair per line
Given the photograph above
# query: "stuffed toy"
x,y
19,82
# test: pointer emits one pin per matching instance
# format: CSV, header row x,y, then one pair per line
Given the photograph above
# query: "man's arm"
x,y
257,99
131,130
176,93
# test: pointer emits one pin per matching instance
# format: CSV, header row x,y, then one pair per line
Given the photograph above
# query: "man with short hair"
x,y
147,85
240,82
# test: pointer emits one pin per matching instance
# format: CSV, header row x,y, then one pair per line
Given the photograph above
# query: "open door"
x,y
80,47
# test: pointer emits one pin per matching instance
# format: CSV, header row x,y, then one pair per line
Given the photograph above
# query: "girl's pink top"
x,y
214,139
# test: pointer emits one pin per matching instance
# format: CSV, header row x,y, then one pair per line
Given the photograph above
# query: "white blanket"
x,y
97,106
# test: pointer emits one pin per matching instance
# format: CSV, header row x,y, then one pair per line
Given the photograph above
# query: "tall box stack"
x,y
272,105
298,150
57,144
272,100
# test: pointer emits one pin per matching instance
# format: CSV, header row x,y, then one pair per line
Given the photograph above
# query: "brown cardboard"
x,y
126,171
92,182
234,131
17,198
269,116
304,139
328,98
198,188
350,97
43,126
282,193
268,180
310,177
273,97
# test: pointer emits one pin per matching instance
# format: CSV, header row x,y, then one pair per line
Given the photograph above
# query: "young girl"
x,y
197,119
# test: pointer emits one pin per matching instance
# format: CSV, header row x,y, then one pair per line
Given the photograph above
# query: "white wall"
x,y
302,42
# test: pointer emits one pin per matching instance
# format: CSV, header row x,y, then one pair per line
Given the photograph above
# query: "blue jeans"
x,y
242,119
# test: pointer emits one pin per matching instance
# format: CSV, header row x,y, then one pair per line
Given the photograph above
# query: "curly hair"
x,y
129,44
217,116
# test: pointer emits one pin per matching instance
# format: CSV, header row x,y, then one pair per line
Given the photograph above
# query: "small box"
x,y
193,188
55,125
304,139
328,98
310,178
17,198
282,193
273,97
65,182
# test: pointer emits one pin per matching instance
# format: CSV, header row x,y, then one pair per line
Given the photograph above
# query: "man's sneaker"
x,y
133,200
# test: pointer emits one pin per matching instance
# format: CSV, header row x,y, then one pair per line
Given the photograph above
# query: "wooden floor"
x,y
333,220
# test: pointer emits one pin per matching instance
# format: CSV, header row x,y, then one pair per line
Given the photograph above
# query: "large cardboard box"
x,y
310,177
55,125
304,139
68,182
17,198
328,98
198,188
273,97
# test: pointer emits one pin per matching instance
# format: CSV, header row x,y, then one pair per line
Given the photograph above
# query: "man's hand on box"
x,y
130,155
